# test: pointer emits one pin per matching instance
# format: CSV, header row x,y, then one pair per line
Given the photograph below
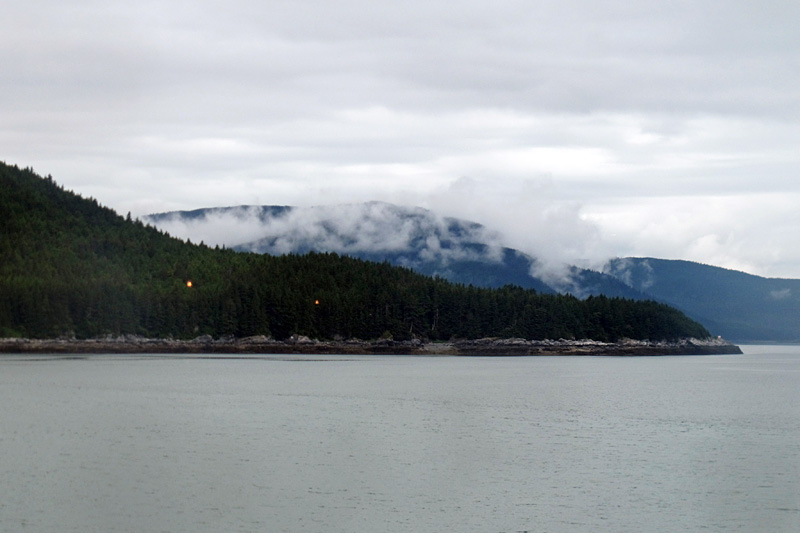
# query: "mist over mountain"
x,y
457,250
73,268
738,306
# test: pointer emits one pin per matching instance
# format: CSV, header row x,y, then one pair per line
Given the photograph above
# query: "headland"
x,y
131,344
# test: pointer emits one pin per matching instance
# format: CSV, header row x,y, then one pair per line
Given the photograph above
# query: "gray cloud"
x,y
373,227
585,127
781,294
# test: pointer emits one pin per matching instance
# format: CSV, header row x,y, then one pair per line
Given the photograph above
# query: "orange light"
x,y
189,283
316,302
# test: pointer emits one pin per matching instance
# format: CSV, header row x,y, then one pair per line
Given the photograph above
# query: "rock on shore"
x,y
303,345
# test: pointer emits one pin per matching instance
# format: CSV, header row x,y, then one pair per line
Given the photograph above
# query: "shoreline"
x,y
299,345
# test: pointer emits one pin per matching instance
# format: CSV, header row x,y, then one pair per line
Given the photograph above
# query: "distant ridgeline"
x,y
72,267
740,307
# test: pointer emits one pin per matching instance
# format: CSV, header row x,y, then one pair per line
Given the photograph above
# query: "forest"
x,y
70,267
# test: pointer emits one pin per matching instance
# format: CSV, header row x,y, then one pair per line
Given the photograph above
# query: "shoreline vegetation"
x,y
301,345
79,278
74,269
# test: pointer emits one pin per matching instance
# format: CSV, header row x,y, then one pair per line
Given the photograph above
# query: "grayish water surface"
x,y
391,444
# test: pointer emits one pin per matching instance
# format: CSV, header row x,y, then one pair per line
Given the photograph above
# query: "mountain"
x,y
71,267
457,250
736,305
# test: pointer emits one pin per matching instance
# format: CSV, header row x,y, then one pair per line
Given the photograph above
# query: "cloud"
x,y
585,127
744,232
781,294
372,228
530,216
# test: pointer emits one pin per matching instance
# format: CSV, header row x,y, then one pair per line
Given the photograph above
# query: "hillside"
x,y
734,304
74,268
456,250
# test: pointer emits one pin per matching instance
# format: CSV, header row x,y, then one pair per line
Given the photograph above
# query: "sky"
x,y
579,130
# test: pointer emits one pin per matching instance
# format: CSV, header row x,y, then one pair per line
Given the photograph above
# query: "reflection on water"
x,y
351,444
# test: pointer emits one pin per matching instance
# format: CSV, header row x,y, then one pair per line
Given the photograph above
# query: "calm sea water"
x,y
391,444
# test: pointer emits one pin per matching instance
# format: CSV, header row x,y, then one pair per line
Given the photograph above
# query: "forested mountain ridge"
x,y
457,250
72,267
736,305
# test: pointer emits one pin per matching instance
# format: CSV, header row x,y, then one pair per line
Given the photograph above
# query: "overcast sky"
x,y
579,129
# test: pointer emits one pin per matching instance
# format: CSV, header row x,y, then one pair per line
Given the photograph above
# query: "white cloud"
x,y
587,129
373,227
743,232
781,294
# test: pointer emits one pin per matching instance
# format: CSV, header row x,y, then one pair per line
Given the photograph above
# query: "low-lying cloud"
x,y
350,229
580,130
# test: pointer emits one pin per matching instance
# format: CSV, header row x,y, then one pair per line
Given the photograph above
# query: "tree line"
x,y
71,267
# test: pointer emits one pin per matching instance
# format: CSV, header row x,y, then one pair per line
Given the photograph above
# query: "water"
x,y
391,444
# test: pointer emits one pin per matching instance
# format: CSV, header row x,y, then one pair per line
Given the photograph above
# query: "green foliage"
x,y
72,267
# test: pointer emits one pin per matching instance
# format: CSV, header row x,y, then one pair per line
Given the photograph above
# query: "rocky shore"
x,y
129,344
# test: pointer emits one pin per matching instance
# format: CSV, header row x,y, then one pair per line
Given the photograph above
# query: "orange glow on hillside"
x,y
189,283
